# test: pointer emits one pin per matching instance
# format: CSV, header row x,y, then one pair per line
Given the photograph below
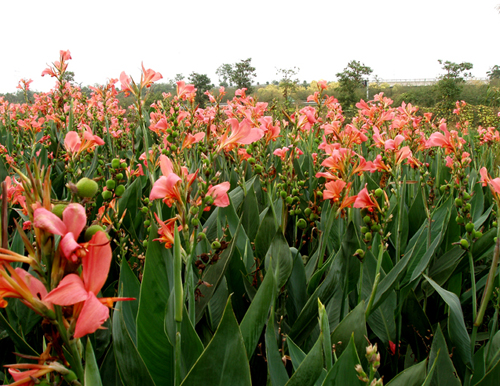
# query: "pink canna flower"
x,y
364,200
243,133
333,190
185,91
148,77
219,194
69,228
91,312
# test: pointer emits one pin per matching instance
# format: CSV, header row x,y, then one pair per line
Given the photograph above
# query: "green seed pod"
x,y
258,169
313,216
495,224
319,194
173,147
145,209
289,200
87,188
195,222
469,227
467,196
123,165
215,245
375,227
379,192
145,243
107,195
302,224
202,236
115,163
478,234
464,244
119,176
92,230
364,230
291,212
120,189
367,219
442,188
283,194
194,210
368,236
459,220
251,161
147,223
110,184
59,209
360,253
458,202
307,211
467,207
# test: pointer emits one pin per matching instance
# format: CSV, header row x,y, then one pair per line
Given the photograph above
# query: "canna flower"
x,y
166,231
364,200
31,376
185,91
243,133
167,186
81,291
219,194
69,228
494,184
148,77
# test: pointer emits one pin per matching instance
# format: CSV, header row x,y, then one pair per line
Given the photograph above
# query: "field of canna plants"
x,y
243,243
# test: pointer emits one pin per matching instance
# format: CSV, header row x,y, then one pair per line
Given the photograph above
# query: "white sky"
x,y
398,39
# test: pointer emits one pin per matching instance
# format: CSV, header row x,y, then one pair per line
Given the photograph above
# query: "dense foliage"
x,y
245,243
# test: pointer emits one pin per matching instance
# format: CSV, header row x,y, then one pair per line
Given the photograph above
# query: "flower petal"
x,y
92,316
74,218
97,262
49,222
69,291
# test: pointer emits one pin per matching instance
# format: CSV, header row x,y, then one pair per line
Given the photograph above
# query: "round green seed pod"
x,y
147,223
92,230
110,184
478,234
283,194
123,165
379,192
289,200
120,189
458,202
115,163
307,211
107,195
59,209
469,227
360,253
119,176
86,188
368,236
467,196
302,224
258,169
367,219
215,245
464,244
364,230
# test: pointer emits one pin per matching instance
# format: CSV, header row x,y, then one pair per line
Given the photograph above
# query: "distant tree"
x,y
69,76
224,72
450,85
178,77
242,74
202,83
287,84
350,80
494,72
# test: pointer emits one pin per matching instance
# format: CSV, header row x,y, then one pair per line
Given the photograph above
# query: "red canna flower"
x,y
243,133
219,194
364,200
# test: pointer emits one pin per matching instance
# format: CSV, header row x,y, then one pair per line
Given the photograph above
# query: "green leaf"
x,y
152,342
279,259
21,345
353,326
456,325
250,215
296,288
412,376
257,314
131,366
224,360
92,375
265,234
213,275
493,353
446,374
129,287
342,372
491,377
277,372
109,369
311,367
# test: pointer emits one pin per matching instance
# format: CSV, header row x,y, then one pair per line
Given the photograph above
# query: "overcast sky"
x,y
397,39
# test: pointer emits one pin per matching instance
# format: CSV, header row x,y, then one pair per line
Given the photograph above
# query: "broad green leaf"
x,y
296,288
311,367
412,376
109,369
430,373
224,360
491,377
152,342
382,321
493,351
477,203
250,215
279,259
342,373
257,314
446,373
444,267
217,304
456,325
129,201
92,375
21,345
352,326
129,287
265,234
479,366
131,367
213,275
277,372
